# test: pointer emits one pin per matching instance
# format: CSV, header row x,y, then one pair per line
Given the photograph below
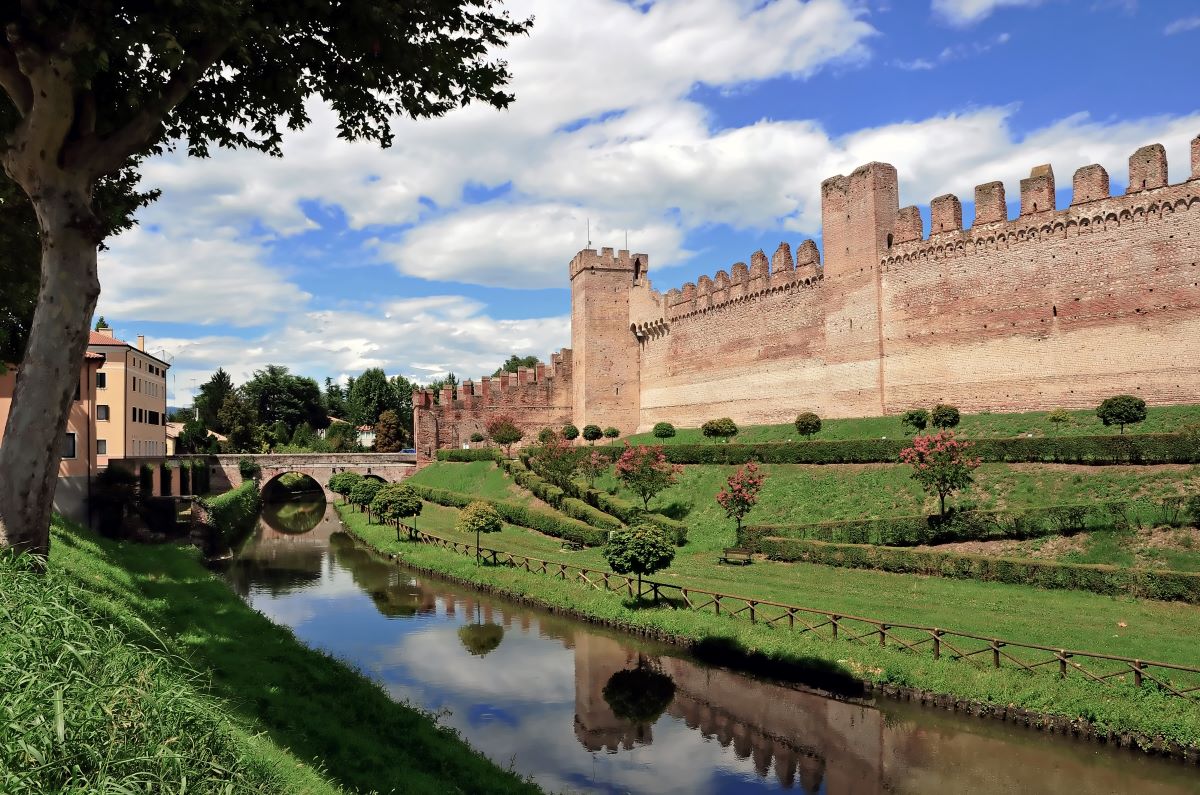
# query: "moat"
x,y
542,694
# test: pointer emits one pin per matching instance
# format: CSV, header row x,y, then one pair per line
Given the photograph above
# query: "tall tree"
x,y
91,85
281,398
370,396
389,436
240,420
212,397
335,399
402,388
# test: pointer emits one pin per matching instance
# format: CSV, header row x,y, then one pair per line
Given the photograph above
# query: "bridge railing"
x,y
975,649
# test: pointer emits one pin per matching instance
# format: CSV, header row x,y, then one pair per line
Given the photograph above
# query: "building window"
x,y
101,380
69,446
101,412
153,419
101,447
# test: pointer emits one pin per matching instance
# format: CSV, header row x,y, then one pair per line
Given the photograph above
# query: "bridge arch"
x,y
386,467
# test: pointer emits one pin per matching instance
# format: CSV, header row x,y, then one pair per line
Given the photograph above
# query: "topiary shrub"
x,y
479,517
944,416
343,483
1121,410
641,549
363,492
808,424
611,432
723,429
592,433
546,436
664,430
915,420
570,433
477,437
396,501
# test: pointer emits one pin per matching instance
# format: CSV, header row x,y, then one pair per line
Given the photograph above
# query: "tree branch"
x,y
100,156
14,83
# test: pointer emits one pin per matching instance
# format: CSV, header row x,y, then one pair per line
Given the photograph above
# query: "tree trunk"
x,y
49,372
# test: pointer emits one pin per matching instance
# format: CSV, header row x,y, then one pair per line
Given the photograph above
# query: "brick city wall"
x,y
535,397
1052,308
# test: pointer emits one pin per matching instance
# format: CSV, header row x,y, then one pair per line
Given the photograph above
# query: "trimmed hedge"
x,y
1049,520
602,510
556,497
233,514
1107,580
1159,448
460,456
908,531
164,475
514,513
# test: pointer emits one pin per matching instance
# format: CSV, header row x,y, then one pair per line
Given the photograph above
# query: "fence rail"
x,y
980,650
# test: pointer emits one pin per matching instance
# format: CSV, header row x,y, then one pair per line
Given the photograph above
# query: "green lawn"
x,y
1160,419
1176,549
1066,618
478,478
271,683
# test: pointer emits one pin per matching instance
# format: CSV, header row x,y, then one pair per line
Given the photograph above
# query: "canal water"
x,y
585,710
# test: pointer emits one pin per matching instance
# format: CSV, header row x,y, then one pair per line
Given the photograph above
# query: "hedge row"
x,y
460,456
1161,448
611,507
514,513
557,498
233,514
1108,580
908,531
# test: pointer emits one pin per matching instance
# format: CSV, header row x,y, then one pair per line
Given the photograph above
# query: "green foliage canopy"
x,y
1121,410
396,501
663,430
723,428
641,549
808,424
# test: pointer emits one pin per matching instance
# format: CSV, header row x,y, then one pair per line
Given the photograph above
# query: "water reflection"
x,y
588,711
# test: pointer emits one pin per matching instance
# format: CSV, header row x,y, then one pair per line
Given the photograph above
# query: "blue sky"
x,y
700,128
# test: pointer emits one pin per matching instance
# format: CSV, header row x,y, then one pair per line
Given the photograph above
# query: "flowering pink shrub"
x,y
940,464
645,470
742,492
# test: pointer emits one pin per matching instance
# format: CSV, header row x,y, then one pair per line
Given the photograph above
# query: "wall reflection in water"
x,y
584,710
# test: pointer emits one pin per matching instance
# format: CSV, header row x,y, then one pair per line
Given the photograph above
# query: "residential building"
x,y
79,444
131,399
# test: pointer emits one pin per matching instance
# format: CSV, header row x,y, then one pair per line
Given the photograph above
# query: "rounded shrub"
x,y
944,416
808,424
611,432
570,432
477,437
723,428
592,432
664,430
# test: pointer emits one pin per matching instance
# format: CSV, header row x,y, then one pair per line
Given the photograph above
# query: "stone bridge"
x,y
389,467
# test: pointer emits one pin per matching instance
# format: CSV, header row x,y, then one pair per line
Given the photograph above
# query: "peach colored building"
x,y
79,462
131,399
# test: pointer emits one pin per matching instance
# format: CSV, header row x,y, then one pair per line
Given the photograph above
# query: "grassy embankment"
x,y
280,706
1159,419
1122,626
1078,620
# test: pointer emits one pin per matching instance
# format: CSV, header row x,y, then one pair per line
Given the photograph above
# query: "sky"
x,y
698,130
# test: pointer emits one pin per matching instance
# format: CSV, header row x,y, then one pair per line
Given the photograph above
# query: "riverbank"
x,y
1118,714
309,723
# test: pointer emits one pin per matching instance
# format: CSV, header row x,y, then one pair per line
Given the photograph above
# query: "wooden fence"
x,y
979,650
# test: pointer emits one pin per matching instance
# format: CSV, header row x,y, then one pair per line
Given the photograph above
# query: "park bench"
x,y
572,546
740,557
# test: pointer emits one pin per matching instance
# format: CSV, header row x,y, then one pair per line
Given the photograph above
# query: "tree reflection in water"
x,y
639,695
295,508
480,639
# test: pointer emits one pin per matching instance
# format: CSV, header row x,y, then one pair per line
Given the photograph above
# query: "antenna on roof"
x,y
626,239
589,232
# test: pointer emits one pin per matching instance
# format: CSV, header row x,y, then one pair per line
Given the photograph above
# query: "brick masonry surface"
x,y
1054,308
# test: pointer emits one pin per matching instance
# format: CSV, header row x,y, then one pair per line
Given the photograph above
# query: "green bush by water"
x,y
234,513
543,521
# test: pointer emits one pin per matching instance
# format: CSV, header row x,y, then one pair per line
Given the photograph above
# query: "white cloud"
x,y
419,338
1182,26
521,245
968,12
188,278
